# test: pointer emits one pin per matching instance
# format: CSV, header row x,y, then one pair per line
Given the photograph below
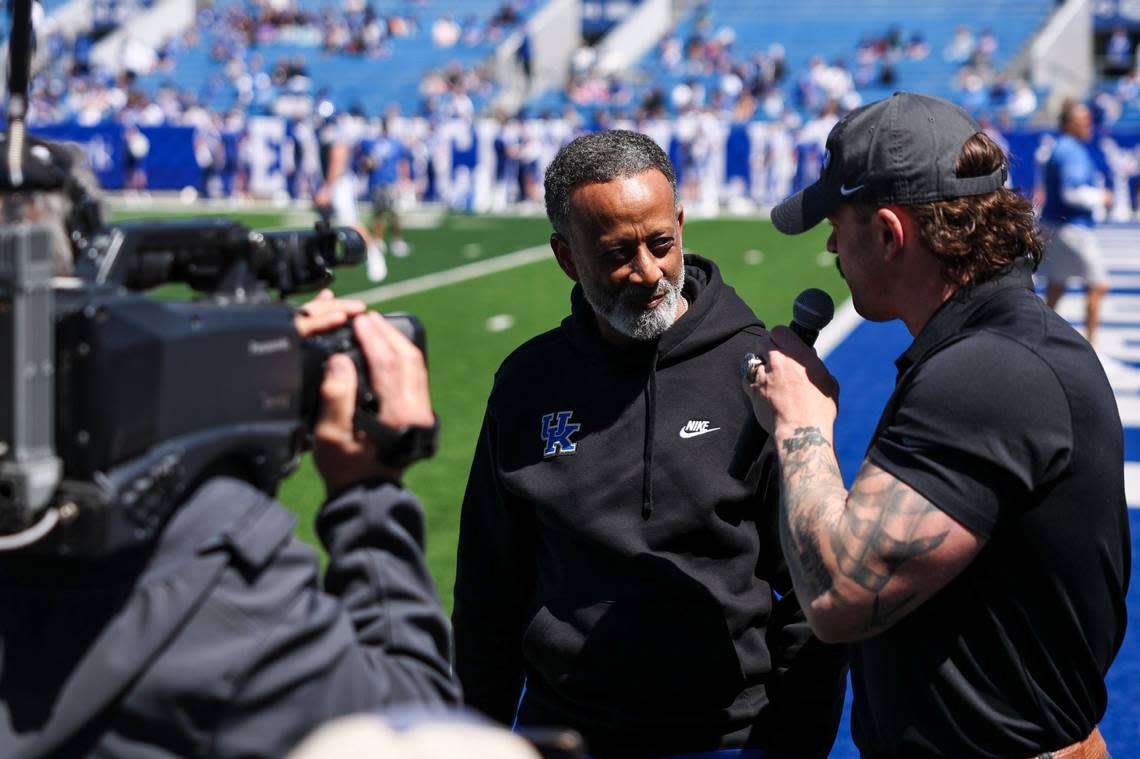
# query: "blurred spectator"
x,y
961,45
987,44
1022,101
971,86
137,57
138,147
1128,87
445,32
916,48
1119,56
1075,200
670,52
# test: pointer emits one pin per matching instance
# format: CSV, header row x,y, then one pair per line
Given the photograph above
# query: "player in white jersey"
x,y
336,197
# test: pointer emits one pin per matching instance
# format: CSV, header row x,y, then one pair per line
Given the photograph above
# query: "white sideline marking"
x,y
1114,308
1129,407
845,321
454,276
1120,278
1132,484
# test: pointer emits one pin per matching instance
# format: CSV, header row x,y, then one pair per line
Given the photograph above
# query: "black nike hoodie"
x,y
610,570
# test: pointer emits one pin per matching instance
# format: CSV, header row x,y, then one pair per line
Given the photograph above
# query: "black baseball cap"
x,y
901,149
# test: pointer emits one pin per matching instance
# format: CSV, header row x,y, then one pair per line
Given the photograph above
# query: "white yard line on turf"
x,y
1132,484
845,321
454,276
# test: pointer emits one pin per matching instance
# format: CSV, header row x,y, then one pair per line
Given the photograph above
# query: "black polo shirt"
x,y
1003,418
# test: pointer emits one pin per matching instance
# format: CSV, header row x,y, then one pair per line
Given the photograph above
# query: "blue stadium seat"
x,y
349,79
832,29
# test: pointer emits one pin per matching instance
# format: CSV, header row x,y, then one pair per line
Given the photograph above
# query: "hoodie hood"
x,y
715,314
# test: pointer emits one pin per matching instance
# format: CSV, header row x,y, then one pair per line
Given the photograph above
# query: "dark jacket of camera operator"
x,y
218,639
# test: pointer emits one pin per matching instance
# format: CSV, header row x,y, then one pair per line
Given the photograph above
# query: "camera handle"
x,y
30,470
41,529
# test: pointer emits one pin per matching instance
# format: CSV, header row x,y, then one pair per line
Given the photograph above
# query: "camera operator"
x,y
217,638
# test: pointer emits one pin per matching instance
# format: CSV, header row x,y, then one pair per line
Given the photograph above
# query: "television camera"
x,y
114,404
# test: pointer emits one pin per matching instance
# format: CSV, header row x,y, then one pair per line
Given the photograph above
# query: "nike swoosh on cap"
x,y
844,190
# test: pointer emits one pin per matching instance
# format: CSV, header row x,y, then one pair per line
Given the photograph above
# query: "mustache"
x,y
642,295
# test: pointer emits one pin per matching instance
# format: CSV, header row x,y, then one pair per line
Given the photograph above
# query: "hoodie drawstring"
x,y
647,458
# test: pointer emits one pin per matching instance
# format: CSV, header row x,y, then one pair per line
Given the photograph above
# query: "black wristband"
x,y
397,448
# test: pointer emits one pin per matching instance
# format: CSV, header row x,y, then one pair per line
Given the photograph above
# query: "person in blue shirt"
x,y
1074,201
1118,53
382,158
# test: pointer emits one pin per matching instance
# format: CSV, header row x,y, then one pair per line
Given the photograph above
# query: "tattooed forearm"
x,y
810,471
805,437
845,550
812,480
809,560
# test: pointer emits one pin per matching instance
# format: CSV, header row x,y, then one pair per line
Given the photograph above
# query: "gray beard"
x,y
625,310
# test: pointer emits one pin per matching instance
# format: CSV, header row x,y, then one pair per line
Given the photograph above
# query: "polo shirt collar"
x,y
952,315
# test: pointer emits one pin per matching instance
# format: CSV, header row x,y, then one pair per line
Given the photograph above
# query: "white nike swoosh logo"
x,y
686,434
844,190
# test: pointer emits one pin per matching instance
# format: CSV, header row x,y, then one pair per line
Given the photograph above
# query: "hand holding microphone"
x,y
812,311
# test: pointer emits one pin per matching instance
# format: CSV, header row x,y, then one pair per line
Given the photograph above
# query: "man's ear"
x,y
680,225
564,256
894,228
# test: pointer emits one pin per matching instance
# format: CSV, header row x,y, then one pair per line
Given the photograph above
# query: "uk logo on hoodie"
x,y
556,434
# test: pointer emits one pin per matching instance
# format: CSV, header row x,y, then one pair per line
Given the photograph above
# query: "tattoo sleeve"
x,y
844,549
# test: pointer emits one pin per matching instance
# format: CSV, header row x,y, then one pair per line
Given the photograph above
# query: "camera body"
x,y
141,398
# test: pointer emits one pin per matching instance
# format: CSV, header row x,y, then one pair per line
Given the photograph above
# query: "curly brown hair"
x,y
976,235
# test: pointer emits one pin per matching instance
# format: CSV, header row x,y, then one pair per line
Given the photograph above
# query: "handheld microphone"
x,y
811,312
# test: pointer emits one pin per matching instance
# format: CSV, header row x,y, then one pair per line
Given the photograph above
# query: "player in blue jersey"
x,y
382,158
1074,202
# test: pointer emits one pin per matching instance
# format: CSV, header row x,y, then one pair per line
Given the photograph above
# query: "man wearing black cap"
x,y
981,557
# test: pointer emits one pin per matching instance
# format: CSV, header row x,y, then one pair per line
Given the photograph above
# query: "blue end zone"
x,y
1131,444
1121,725
864,364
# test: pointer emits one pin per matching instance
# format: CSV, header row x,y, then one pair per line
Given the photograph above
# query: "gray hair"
x,y
600,157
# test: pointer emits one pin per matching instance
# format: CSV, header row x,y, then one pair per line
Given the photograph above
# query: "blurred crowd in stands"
x,y
699,67
981,85
703,69
1118,92
493,165
69,87
699,79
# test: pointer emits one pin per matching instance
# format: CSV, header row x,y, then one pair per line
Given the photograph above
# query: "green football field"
x,y
473,324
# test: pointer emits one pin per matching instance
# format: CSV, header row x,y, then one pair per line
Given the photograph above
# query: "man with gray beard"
x,y
613,577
